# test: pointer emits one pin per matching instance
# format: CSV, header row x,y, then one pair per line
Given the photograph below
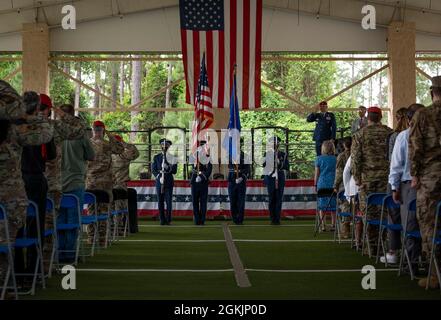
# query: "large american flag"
x,y
230,32
203,113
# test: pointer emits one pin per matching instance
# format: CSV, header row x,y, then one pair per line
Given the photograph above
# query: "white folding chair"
x,y
6,249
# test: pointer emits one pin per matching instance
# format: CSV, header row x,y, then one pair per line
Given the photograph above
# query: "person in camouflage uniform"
x,y
11,103
425,169
338,182
370,167
16,130
121,169
99,172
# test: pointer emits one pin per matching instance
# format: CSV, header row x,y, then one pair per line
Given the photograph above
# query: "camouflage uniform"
x,y
11,103
338,182
340,166
425,158
35,131
121,166
370,168
100,174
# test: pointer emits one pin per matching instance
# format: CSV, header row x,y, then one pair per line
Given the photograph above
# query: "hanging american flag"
x,y
230,32
203,109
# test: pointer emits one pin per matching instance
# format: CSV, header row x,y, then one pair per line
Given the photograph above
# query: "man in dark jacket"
x,y
326,127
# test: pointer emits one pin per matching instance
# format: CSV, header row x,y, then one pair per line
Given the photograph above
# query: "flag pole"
x,y
200,121
236,166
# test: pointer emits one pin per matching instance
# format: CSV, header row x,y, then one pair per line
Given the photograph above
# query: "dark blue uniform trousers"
x,y
237,194
318,148
275,197
167,196
199,195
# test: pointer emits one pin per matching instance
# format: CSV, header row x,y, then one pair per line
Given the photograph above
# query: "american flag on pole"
x,y
230,33
203,109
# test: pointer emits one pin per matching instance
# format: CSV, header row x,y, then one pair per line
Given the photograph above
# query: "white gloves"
x,y
164,166
198,179
274,174
239,180
161,180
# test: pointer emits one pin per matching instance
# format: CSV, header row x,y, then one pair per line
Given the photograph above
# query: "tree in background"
x,y
307,81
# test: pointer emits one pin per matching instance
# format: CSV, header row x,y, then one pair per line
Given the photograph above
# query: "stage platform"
x,y
299,198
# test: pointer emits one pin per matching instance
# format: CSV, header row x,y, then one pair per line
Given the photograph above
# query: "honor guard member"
x,y
276,162
163,169
238,173
199,184
425,169
326,126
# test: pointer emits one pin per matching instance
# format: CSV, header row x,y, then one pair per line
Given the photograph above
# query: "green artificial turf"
x,y
221,283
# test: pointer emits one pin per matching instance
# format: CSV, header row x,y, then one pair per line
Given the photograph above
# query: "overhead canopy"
x,y
153,26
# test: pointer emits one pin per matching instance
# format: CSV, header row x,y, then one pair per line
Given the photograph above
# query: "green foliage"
x,y
307,81
6,68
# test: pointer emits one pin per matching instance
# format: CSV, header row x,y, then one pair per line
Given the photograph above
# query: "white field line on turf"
x,y
314,271
176,240
239,271
223,240
153,270
230,225
232,270
285,240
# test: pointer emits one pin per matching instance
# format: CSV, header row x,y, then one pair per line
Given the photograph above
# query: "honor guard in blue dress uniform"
x,y
199,184
163,169
325,128
276,162
238,173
